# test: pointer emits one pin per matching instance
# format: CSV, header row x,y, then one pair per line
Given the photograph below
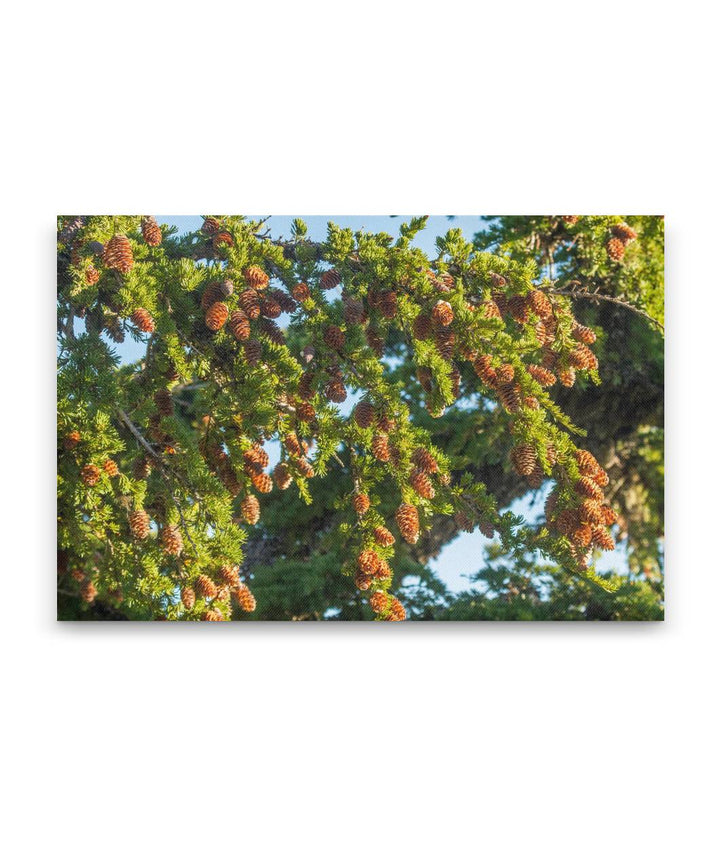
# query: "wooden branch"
x,y
596,296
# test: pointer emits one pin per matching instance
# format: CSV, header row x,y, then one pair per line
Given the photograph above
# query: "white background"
x,y
354,739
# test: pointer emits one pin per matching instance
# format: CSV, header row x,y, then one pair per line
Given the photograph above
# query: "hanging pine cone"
x,y
609,517
245,598
363,581
361,503
211,294
383,536
211,226
304,411
256,277
261,482
71,440
442,313
463,522
172,540
425,378
205,587
111,468
583,358
509,397
537,476
624,233
163,402
385,423
567,521
249,301
229,575
379,601
271,330
255,459
583,334
368,562
615,249
270,308
587,487
114,329
151,231
482,365
569,219
90,474
542,333
364,414
216,316
335,391
582,535
330,279
250,509
292,444
305,386
305,468
542,375
227,288
408,523
550,506
139,524
381,448
421,484
88,592
213,615
567,376
591,511
387,304
353,310
540,304
490,309
286,303
222,239
397,611
422,327
118,254
587,463
455,379
187,596
301,292
602,538
519,309
424,460
91,275
524,459
282,476
375,341
334,337
142,319
253,351
444,282
141,468
445,342
239,325
505,373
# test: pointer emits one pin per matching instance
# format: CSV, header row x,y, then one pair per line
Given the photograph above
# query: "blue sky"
x,y
464,555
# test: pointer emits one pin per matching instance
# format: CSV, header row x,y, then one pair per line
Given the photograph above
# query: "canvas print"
x,y
360,418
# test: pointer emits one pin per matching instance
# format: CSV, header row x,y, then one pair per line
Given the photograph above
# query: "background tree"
x,y
161,463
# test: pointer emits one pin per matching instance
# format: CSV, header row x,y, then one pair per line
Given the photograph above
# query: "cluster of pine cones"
x,y
210,590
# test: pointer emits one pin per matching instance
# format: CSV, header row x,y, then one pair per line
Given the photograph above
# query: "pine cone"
x,y
363,581
118,254
583,334
518,306
482,365
364,414
463,522
375,341
334,337
142,319
442,313
387,304
335,391
90,474
602,538
305,468
422,327
301,292
608,515
582,535
540,304
286,303
270,308
111,468
92,275
239,325
229,575
381,447
379,601
524,459
445,342
542,375
88,592
151,231
587,487
245,598
227,288
211,226
142,468
421,484
330,279
567,376
304,411
163,402
250,509
624,233
271,330
583,358
615,249
591,511
537,476
424,460
253,351
361,503
385,423
211,294
205,587
222,239
368,562
261,482
407,520
216,316
397,611
213,615
114,329
71,440
353,310
509,397
305,390
292,444
569,219
171,540
249,301
505,373
282,476
567,521
187,596
383,536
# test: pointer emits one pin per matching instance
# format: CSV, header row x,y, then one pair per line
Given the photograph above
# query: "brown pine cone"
x,y
624,233
524,459
71,440
364,414
90,474
151,231
383,536
482,365
305,468
424,460
111,468
250,508
567,376
442,313
407,520
305,388
139,524
222,239
227,287
421,484
463,522
361,503
304,411
249,301
171,540
330,279
543,334
245,598
271,331
385,423
490,309
540,304
143,320
375,341
91,275
569,219
253,351
142,467
582,535
368,562
567,521
292,444
205,587
583,334
587,463
445,342
261,482
229,575
379,601
282,476
422,327
239,325
211,226
363,581
353,310
518,306
425,378
216,316
187,596
602,538
608,515
583,358
270,308
118,254
537,476
591,511
163,402
301,292
211,294
334,337
542,375
509,397
587,487
615,249
381,447
213,615
397,611
335,391
88,592
505,373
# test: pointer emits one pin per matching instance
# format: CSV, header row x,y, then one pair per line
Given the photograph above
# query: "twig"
x,y
595,296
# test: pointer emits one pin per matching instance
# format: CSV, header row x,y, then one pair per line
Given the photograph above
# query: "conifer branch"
x,y
584,293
